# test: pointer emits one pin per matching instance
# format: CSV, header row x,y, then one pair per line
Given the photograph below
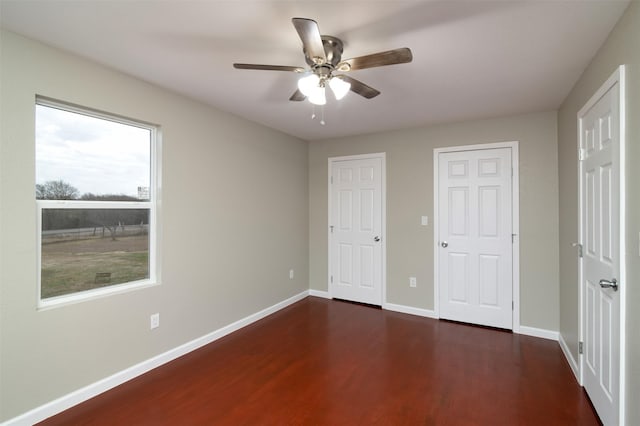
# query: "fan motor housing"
x,y
333,48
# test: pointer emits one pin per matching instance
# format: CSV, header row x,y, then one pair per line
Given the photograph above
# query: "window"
x,y
96,190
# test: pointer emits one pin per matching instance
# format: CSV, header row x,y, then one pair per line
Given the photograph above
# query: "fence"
x,y
62,235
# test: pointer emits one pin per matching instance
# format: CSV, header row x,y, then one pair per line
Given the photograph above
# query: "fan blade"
x,y
297,96
311,40
268,67
390,57
360,88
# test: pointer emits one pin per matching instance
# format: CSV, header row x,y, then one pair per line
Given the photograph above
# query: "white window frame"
x,y
151,205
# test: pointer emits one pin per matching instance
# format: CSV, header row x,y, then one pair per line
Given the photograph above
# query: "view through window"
x,y
95,198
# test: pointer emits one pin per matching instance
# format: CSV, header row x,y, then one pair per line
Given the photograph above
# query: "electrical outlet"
x,y
412,281
154,321
290,274
424,220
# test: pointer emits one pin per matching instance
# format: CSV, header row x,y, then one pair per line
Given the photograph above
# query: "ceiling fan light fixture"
x,y
309,84
339,87
317,96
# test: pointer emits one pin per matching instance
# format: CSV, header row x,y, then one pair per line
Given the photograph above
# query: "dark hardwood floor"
x,y
322,362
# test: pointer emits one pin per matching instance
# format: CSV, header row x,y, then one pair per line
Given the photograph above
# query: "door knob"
x,y
444,244
609,284
376,238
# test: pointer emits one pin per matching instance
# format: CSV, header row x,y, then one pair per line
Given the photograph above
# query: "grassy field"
x,y
71,266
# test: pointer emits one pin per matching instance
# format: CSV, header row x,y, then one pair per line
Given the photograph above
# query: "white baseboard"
x,y
319,293
410,310
570,359
74,398
539,332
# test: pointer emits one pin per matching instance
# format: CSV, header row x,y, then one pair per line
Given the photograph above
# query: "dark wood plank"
x,y
329,362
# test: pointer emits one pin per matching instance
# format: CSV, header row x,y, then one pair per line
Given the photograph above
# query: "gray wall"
x,y
410,195
234,221
622,47
265,214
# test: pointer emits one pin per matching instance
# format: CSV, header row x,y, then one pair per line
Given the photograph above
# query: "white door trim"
x,y
618,77
515,199
383,157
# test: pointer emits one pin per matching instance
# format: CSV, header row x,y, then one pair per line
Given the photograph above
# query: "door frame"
x,y
383,205
515,215
618,77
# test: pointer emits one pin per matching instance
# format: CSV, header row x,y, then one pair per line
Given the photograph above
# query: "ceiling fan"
x,y
323,54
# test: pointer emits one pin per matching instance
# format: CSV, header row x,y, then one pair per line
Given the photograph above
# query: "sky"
x,y
92,154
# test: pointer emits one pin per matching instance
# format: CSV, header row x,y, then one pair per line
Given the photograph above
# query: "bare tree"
x,y
56,190
90,196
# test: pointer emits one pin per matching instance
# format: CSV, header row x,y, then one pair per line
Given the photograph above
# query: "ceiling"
x,y
472,59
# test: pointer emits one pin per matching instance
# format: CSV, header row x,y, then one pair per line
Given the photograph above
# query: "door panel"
x,y
488,277
600,209
459,277
346,264
356,209
590,338
459,211
345,208
366,210
475,236
366,265
489,211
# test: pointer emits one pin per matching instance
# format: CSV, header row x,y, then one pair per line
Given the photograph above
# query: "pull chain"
x,y
313,114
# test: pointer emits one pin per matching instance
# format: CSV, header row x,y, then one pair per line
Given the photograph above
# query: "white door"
x,y
600,213
356,230
475,237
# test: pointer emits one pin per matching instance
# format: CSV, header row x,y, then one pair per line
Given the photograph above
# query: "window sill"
x,y
69,299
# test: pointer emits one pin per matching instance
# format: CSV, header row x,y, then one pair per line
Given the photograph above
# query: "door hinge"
x,y
513,305
580,348
331,180
579,246
332,279
582,154
513,238
331,227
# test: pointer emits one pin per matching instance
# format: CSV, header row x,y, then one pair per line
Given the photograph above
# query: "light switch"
x,y
424,220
